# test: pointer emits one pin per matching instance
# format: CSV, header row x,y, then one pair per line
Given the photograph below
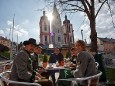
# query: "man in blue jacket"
x,y
54,58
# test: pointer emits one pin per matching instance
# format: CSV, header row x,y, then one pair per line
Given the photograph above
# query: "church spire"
x,y
44,13
55,11
65,17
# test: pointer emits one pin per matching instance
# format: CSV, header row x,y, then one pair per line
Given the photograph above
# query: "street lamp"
x,y
11,53
82,33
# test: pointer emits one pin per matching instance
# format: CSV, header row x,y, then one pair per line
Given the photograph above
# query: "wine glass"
x,y
57,63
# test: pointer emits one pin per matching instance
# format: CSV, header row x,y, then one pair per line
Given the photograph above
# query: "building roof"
x,y
2,38
107,39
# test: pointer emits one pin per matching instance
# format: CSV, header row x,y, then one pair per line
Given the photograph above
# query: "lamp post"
x,y
82,33
11,53
17,44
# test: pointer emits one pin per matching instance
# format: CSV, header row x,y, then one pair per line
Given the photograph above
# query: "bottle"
x,y
57,63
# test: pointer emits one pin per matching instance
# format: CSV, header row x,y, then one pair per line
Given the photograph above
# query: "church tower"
x,y
44,30
56,28
68,32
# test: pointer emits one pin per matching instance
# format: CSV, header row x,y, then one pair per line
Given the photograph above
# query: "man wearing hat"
x,y
35,56
36,61
22,68
44,75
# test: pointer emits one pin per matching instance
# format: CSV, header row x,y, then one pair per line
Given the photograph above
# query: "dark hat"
x,y
30,41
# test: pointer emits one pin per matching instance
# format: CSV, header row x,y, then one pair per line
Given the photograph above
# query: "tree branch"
x,y
65,2
88,3
72,9
100,8
76,6
86,9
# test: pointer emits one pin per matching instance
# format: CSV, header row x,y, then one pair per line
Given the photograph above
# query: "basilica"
x,y
56,33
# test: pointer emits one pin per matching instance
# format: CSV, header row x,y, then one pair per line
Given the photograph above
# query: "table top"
x,y
55,68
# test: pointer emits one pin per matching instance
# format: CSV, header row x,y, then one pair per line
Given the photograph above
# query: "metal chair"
x,y
91,80
4,77
7,66
97,64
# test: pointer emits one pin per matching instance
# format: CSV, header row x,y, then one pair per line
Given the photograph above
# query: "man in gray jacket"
x,y
22,68
85,62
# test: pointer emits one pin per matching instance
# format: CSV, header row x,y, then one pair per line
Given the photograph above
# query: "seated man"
x,y
85,63
36,61
56,57
41,74
22,68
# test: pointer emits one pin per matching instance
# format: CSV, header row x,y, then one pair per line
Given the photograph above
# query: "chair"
x,y
4,77
97,64
7,66
91,80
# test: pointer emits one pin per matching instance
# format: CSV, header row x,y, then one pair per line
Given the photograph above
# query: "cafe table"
x,y
53,69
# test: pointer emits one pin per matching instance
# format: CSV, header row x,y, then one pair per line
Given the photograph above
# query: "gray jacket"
x,y
22,67
85,65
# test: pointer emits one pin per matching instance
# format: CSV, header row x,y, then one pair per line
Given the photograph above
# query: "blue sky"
x,y
27,20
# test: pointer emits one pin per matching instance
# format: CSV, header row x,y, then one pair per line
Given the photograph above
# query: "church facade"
x,y
56,34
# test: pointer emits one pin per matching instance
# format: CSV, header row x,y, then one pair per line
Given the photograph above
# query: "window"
x,y
70,39
68,27
45,38
45,27
65,39
59,39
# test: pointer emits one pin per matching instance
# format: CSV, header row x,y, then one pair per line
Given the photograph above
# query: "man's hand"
x,y
38,76
41,70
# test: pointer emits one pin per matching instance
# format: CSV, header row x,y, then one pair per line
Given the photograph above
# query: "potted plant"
x,y
45,60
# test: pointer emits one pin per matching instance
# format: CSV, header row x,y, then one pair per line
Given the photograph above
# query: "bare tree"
x,y
88,7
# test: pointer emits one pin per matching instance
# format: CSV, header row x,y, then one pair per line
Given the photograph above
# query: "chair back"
x,y
91,80
4,77
97,64
7,67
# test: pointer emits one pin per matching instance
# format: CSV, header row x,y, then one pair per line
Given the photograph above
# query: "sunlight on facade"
x,y
50,17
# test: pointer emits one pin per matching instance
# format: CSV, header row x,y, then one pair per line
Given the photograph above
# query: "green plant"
x,y
6,54
45,58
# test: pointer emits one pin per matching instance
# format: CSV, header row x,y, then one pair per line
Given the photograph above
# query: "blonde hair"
x,y
82,44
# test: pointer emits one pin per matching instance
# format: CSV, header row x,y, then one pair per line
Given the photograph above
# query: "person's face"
x,y
30,48
74,52
78,47
38,50
56,51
